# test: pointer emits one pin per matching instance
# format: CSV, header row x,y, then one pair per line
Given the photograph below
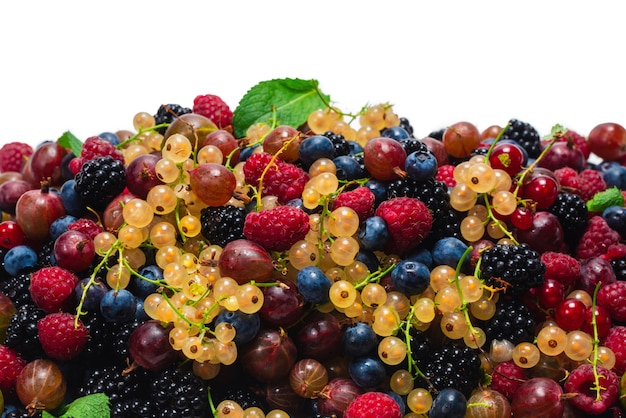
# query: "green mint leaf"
x,y
68,140
92,406
289,100
602,200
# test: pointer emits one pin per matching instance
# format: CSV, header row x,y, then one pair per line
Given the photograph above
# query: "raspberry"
x,y
60,338
612,296
276,229
214,108
561,267
87,226
11,364
581,380
95,147
507,377
13,155
615,341
591,182
444,174
361,200
52,287
373,405
283,180
596,239
568,178
409,221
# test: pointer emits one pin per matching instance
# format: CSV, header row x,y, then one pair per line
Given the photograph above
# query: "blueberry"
x,y
615,217
314,148
368,258
71,199
379,188
373,234
448,251
410,277
246,152
355,148
398,400
19,258
367,371
313,284
118,305
615,176
59,225
423,255
420,166
110,137
359,340
140,312
348,168
246,325
142,288
396,132
93,296
450,403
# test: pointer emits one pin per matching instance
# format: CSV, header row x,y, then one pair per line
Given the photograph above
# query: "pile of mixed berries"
x,y
343,267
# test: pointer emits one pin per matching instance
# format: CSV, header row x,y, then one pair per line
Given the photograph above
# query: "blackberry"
x,y
120,335
101,334
434,194
44,255
168,113
438,134
178,392
22,334
619,267
413,145
342,147
516,268
421,347
222,224
453,366
100,180
406,124
17,288
512,321
18,411
572,213
525,135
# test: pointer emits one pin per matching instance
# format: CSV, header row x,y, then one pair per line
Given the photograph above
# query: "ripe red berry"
x,y
570,314
60,338
373,405
214,108
14,155
52,287
276,229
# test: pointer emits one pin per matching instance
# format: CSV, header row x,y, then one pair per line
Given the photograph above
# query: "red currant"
x,y
550,293
11,234
542,187
507,156
570,314
522,218
603,321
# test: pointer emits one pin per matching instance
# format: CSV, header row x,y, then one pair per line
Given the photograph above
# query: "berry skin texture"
x,y
13,155
596,239
95,147
51,288
561,267
276,229
409,221
615,341
590,183
283,180
59,338
373,405
612,296
214,108
507,378
581,381
444,174
11,364
361,200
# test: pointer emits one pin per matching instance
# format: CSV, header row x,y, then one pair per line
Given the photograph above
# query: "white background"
x,y
89,67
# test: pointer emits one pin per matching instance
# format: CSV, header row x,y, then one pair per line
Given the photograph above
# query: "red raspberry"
x,y
409,221
52,287
612,296
373,405
11,364
591,182
568,178
596,239
276,229
507,377
361,200
445,175
578,140
95,147
615,341
214,108
283,180
582,379
561,267
13,156
60,338
86,226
